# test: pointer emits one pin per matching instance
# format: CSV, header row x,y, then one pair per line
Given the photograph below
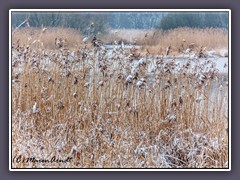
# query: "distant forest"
x,y
103,21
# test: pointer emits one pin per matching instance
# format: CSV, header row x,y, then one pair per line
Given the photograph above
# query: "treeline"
x,y
135,20
194,20
85,22
100,22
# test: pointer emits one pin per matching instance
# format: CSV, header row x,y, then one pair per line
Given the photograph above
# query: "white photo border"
x,y
118,10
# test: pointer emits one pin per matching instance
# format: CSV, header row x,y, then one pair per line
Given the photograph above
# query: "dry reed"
x,y
117,111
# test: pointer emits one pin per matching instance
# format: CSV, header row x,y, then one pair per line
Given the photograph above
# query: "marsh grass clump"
x,y
106,108
45,38
196,40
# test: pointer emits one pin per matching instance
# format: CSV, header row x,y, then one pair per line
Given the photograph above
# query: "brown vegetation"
x,y
115,111
45,38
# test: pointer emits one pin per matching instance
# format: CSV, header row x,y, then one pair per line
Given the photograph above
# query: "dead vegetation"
x,y
156,41
111,109
38,38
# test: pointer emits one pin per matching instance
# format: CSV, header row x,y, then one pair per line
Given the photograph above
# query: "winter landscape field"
x,y
129,98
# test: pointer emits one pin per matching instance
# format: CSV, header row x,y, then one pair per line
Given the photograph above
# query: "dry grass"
x,y
156,41
130,36
180,39
98,110
40,38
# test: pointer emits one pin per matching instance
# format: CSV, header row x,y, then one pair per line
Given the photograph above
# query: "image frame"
x,y
120,10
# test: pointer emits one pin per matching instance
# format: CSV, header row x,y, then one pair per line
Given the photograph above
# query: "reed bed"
x,y
44,38
155,40
109,109
182,38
